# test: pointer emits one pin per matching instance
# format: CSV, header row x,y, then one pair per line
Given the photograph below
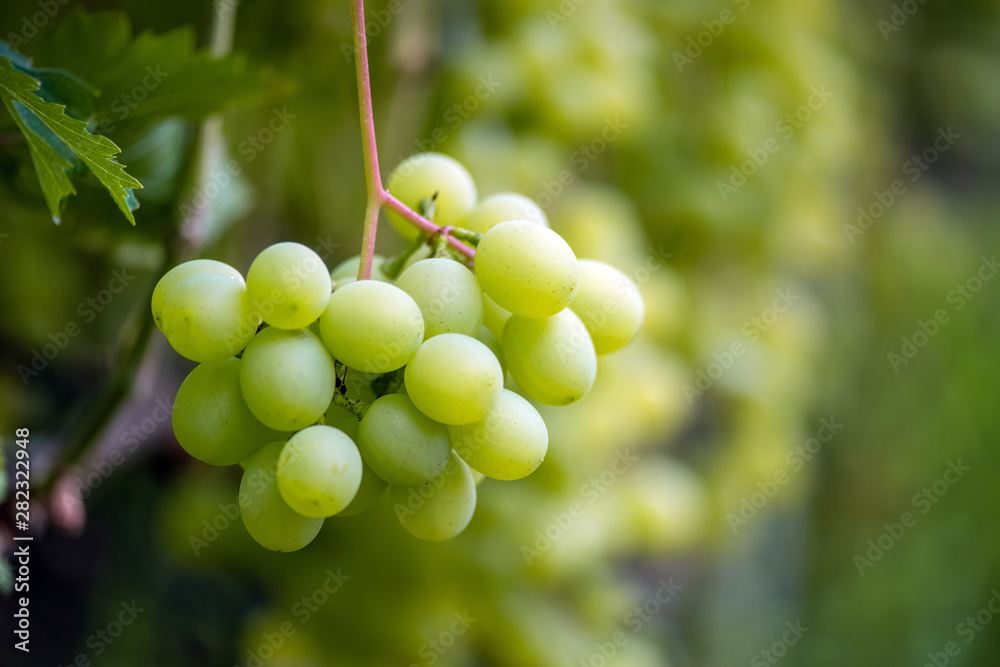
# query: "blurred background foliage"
x,y
623,128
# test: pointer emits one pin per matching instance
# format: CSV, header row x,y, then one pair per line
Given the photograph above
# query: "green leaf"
x,y
151,77
61,132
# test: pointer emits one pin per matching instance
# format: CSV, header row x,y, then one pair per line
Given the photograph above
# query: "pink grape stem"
x,y
378,196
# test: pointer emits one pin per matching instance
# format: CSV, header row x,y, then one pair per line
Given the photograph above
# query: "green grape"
x,y
494,317
175,276
448,295
527,269
267,517
212,421
427,175
349,269
401,444
289,284
319,471
343,419
372,327
207,318
553,359
287,378
509,443
486,337
503,207
371,489
441,508
454,379
609,304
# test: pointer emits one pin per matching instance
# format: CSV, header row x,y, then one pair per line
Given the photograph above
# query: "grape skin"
x,y
212,421
319,471
502,207
267,517
427,175
287,378
371,489
609,304
454,379
372,326
175,276
349,269
553,359
527,269
401,444
207,318
440,509
290,285
494,317
448,295
510,443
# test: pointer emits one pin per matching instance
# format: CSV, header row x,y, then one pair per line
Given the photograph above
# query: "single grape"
x,y
509,443
371,489
448,295
552,359
175,276
486,337
212,421
527,269
349,269
267,517
371,326
401,444
503,207
289,285
441,508
454,379
319,471
427,175
207,318
287,378
494,317
609,304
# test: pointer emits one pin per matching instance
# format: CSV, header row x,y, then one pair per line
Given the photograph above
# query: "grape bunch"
x,y
328,389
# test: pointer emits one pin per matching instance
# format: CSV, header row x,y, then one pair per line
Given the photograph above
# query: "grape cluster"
x,y
328,389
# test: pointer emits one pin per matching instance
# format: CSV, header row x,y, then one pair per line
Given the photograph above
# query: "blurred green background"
x,y
806,194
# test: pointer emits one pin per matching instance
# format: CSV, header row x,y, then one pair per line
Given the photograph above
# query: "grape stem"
x,y
378,196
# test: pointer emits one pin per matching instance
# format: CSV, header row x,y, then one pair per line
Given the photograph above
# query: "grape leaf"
x,y
48,151
149,77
